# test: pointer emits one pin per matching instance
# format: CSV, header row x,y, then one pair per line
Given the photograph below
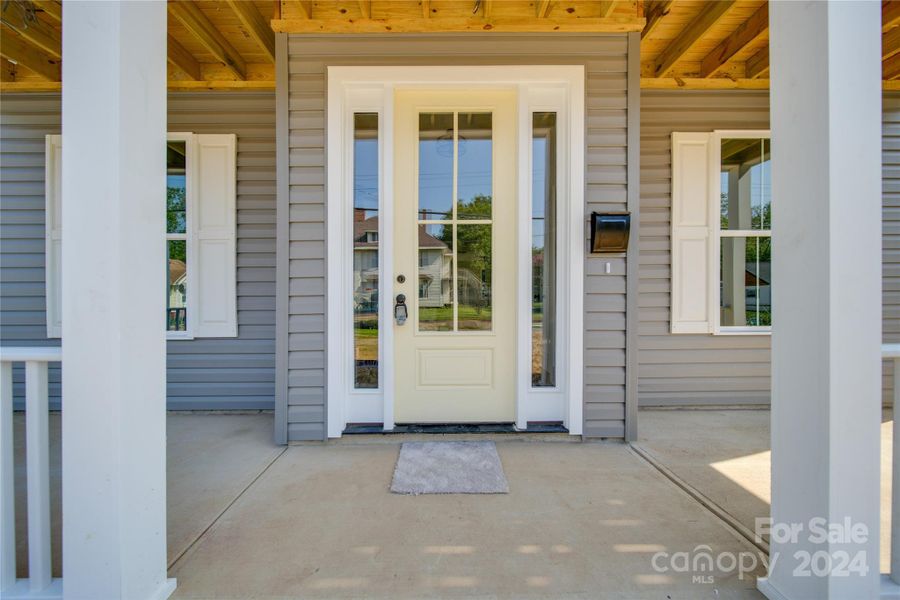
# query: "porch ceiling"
x,y
229,44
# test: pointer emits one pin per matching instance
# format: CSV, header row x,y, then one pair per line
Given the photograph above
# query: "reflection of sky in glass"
x,y
175,181
435,165
365,174
538,189
475,161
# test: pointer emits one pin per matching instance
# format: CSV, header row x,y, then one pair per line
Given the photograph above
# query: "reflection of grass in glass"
x,y
366,342
429,314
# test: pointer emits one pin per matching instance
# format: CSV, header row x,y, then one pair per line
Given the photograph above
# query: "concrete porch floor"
x,y
725,456
248,519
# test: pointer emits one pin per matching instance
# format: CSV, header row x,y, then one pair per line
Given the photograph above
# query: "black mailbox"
x,y
609,231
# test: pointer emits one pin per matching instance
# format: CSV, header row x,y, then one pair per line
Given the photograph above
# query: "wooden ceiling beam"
x,y
255,25
488,8
655,13
607,8
197,23
747,33
184,60
426,9
51,8
890,14
17,50
543,8
690,35
461,25
365,7
758,65
35,33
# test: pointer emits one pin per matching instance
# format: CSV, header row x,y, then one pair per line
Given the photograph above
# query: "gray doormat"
x,y
449,468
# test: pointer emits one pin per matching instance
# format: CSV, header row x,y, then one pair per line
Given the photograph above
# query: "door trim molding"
x,y
371,89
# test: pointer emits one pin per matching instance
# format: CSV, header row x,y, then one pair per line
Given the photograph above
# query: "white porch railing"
x,y
39,583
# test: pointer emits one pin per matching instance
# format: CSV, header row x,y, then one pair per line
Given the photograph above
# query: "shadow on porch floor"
x,y
250,519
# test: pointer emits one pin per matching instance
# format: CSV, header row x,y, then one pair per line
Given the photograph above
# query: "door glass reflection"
x,y
435,277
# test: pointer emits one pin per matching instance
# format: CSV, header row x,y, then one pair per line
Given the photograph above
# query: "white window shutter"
x,y
53,220
213,264
692,234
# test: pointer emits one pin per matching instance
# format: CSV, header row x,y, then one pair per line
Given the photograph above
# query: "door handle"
x,y
400,310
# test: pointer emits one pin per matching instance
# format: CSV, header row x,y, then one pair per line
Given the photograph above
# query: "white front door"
x,y
455,227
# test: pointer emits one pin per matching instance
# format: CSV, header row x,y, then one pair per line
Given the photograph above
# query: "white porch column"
x,y
826,366
113,337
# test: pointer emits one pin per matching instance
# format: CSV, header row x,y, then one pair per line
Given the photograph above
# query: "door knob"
x,y
400,310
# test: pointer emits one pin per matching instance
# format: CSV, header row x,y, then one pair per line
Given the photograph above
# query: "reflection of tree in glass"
x,y
473,243
477,208
175,210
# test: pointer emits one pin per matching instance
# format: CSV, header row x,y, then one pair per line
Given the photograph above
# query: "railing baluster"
x,y
38,464
7,482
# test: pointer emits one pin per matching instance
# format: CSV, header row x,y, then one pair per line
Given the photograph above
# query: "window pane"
x,y
473,277
475,166
176,217
435,278
543,250
746,184
746,275
365,250
435,166
176,293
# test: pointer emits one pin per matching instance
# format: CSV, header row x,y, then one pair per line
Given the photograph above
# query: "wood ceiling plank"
x,y
758,65
706,83
255,25
306,8
655,11
696,29
748,32
488,8
197,23
460,25
890,14
35,33
19,51
543,8
890,43
51,8
183,59
890,69
365,7
426,9
606,8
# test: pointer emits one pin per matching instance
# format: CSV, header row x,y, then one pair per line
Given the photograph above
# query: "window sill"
x,y
178,335
743,331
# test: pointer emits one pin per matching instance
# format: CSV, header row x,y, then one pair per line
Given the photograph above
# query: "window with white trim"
x,y
721,232
200,236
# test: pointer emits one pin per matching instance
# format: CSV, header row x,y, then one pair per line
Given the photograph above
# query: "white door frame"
x,y
553,88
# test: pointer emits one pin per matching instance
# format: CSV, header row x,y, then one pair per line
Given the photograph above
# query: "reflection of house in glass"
x,y
435,270
365,262
177,307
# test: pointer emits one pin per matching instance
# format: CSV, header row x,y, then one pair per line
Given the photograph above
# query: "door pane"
x,y
473,277
435,166
176,296
543,250
435,278
746,275
475,166
365,250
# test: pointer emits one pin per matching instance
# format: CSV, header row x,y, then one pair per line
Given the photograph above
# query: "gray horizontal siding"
x,y
605,59
890,172
688,369
203,373
703,369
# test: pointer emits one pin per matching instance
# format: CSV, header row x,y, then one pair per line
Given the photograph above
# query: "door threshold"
x,y
451,428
